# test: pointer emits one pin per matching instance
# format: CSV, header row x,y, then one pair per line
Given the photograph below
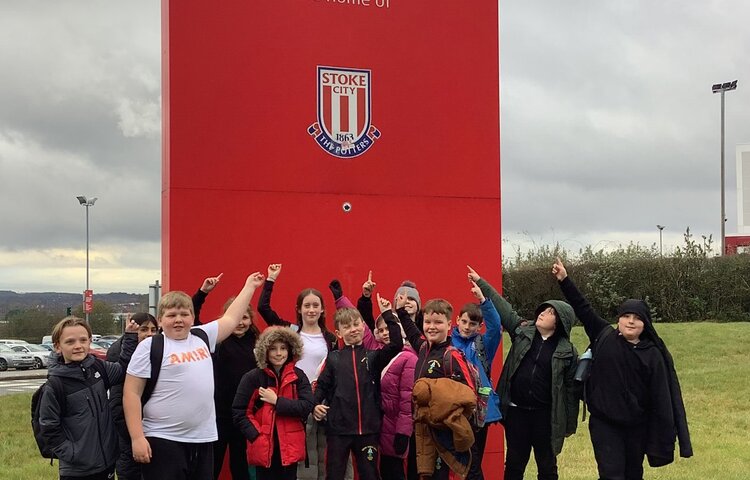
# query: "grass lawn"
x,y
713,363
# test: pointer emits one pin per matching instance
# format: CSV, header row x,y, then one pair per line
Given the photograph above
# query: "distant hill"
x,y
58,302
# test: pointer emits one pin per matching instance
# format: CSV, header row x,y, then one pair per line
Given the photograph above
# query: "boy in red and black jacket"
x,y
431,350
347,394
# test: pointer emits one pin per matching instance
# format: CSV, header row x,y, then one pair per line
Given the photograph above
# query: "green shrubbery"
x,y
688,285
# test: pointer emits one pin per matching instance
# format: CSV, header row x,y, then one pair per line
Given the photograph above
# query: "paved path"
x,y
11,387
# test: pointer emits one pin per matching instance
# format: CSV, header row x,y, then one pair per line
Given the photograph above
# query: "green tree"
x,y
28,324
101,319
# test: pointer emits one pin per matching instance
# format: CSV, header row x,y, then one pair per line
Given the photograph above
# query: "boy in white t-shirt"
x,y
173,432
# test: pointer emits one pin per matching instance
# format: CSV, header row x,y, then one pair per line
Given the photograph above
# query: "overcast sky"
x,y
609,127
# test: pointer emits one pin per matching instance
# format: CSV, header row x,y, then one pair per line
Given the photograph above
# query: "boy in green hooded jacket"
x,y
538,395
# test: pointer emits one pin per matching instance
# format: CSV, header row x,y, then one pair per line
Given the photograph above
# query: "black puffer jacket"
x,y
81,428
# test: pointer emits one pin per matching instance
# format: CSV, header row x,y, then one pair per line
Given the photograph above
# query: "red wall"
x,y
245,185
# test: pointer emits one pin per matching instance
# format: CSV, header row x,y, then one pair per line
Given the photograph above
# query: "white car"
x,y
12,341
40,354
12,359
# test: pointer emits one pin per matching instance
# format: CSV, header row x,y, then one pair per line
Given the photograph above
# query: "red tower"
x,y
335,137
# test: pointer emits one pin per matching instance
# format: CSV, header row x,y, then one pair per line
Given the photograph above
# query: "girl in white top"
x,y
317,341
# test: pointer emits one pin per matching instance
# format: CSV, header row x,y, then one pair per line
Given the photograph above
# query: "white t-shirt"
x,y
181,408
315,351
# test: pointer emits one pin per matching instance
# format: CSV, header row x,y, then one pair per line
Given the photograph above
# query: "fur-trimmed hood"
x,y
274,334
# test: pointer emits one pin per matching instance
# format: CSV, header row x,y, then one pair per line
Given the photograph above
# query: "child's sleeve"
x,y
592,323
300,407
494,330
199,298
405,422
116,371
509,318
572,394
396,344
343,302
50,423
242,415
326,382
264,306
364,306
413,335
140,364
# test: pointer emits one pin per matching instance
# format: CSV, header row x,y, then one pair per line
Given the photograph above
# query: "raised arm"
x,y
509,318
364,304
396,343
592,323
233,315
413,335
116,370
199,298
494,331
341,300
264,302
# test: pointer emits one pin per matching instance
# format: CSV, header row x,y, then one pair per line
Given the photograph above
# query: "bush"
x,y
689,285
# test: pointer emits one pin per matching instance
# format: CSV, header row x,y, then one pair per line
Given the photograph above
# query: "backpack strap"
x,y
200,333
157,355
482,355
58,391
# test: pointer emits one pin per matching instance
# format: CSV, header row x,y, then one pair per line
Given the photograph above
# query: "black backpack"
x,y
58,391
157,355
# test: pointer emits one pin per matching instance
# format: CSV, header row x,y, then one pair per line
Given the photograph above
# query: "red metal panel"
x,y
245,184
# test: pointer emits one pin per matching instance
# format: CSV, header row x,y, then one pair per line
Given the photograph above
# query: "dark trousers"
x,y
411,459
106,474
276,471
364,449
524,430
127,468
477,452
230,436
179,460
618,450
392,468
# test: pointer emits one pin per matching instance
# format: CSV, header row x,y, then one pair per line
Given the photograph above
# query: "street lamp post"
x,y
87,202
721,88
661,229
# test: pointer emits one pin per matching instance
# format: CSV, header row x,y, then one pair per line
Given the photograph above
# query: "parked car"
x,y
105,343
11,359
98,351
40,354
48,346
12,341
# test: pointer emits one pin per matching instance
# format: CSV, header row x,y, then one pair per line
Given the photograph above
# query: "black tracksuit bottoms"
x,y
477,453
525,429
364,449
392,468
179,460
276,471
230,436
619,450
